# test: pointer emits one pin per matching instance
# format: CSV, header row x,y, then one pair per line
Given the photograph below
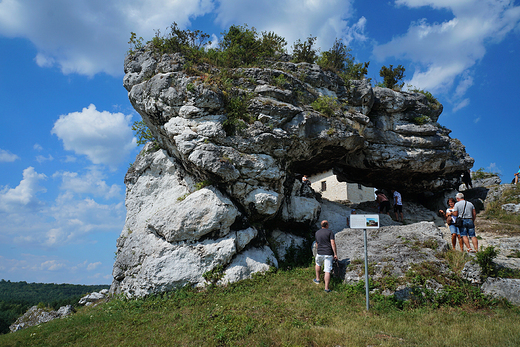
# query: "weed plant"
x,y
326,105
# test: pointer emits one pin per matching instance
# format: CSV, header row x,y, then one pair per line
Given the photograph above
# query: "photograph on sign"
x,y
364,221
372,222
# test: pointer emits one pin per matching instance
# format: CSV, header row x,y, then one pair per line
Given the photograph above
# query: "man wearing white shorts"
x,y
326,253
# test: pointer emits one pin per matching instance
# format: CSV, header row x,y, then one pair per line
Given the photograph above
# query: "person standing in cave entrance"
x,y
326,253
466,179
398,205
384,203
305,180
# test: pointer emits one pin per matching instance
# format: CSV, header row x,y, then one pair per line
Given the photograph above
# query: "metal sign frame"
x,y
365,221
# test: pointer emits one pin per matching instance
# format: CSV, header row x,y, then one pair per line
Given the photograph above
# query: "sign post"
x,y
365,221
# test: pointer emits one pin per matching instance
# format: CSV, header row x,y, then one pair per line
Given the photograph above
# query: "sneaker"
x,y
315,281
328,290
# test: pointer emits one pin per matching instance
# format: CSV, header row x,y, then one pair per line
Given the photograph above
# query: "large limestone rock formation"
x,y
210,199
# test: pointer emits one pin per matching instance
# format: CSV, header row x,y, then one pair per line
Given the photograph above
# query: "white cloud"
x,y
55,269
23,197
461,104
40,158
89,183
51,265
74,219
104,137
493,168
28,221
37,147
295,19
444,52
90,36
476,120
93,266
6,156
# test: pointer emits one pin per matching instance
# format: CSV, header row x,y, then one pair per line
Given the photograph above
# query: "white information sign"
x,y
364,221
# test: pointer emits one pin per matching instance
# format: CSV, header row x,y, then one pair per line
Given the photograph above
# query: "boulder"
x,y
94,298
393,249
36,316
507,288
472,272
511,208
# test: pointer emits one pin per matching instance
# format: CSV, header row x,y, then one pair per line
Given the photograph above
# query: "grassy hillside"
x,y
283,308
17,297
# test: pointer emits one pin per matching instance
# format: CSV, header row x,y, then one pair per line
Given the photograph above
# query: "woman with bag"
x,y
450,221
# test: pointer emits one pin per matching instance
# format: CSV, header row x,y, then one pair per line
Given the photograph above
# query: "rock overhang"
x,y
373,136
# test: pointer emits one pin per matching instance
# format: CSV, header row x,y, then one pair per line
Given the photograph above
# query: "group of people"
x,y
464,210
384,204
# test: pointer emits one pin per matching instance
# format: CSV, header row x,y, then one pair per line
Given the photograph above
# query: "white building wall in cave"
x,y
331,189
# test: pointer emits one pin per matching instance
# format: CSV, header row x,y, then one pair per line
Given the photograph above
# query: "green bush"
x,y
482,173
135,43
392,76
237,114
214,275
435,104
143,133
187,42
242,46
339,60
305,51
326,105
421,120
484,258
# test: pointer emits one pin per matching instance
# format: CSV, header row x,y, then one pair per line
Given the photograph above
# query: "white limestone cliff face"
x,y
249,172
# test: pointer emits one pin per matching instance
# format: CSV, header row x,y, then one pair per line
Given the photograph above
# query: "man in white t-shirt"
x,y
466,211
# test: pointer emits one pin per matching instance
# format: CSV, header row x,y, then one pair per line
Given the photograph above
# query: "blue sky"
x,y
66,140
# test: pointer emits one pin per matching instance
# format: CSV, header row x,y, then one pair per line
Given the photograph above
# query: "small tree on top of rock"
x,y
339,60
304,51
242,45
392,76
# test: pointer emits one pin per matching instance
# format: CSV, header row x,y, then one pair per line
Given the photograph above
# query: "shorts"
x,y
398,208
384,207
454,229
468,228
325,261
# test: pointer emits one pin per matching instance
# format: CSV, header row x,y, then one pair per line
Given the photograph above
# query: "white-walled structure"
x,y
331,189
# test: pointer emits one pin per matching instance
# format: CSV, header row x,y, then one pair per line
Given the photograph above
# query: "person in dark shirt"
x,y
326,253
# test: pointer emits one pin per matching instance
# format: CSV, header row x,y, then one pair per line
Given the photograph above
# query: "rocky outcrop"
x,y
507,288
234,145
35,316
392,250
94,298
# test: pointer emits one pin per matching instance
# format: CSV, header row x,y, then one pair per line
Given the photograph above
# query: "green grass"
x,y
279,309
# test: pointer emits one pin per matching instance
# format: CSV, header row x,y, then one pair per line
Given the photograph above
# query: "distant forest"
x,y
17,297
